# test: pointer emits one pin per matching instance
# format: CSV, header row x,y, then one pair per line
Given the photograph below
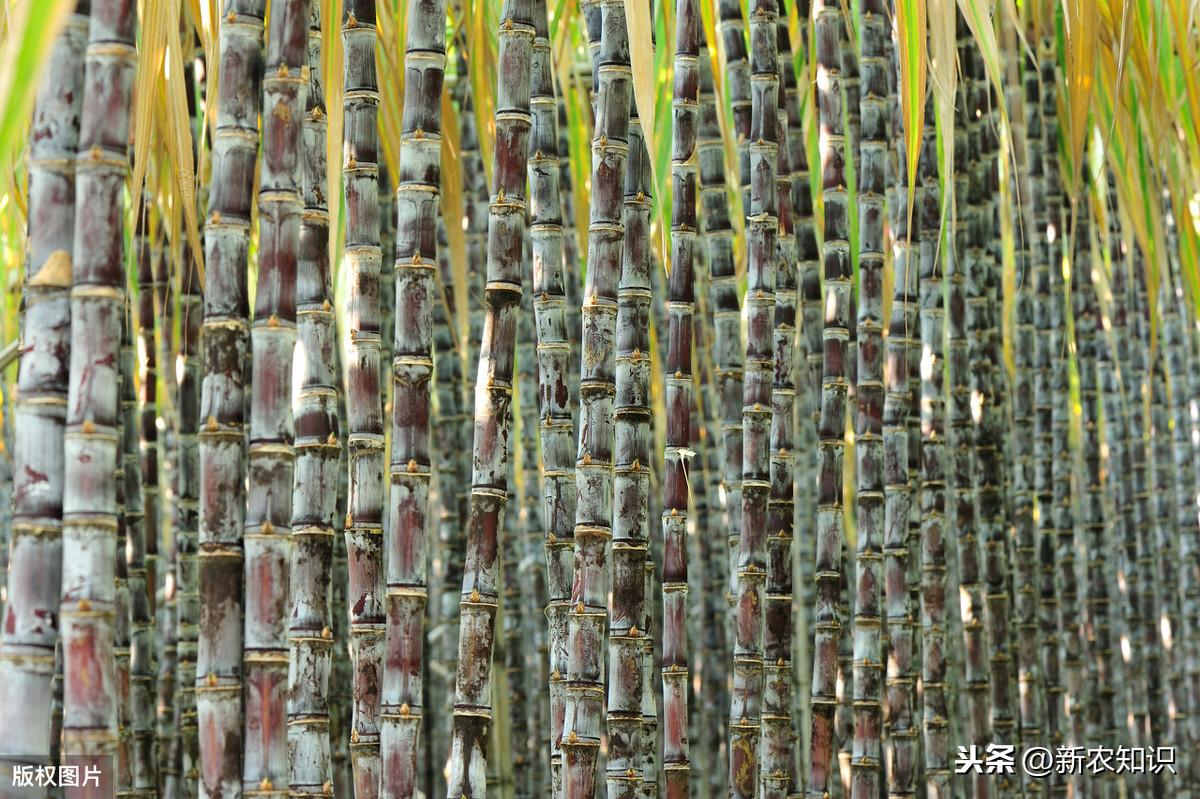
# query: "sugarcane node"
x,y
266,784
85,605
551,539
634,632
318,113
231,17
474,596
351,162
508,24
418,134
603,141
349,520
678,374
326,633
412,465
354,736
267,527
351,20
87,427
211,424
215,218
579,608
500,194
327,788
757,406
332,440
631,773
586,459
572,738
273,321
405,710
674,511
641,196
95,153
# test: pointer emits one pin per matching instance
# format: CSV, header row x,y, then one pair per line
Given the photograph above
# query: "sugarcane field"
x,y
599,399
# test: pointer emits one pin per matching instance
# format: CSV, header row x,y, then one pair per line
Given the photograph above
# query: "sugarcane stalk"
x,y
587,620
1117,384
810,350
993,475
830,522
762,226
677,398
1025,548
965,331
412,371
632,420
1102,680
1178,358
365,440
902,344
314,496
341,692
139,731
222,435
713,219
935,719
725,272
489,490
271,455
778,756
123,775
528,652
866,760
1165,536
549,215
35,549
88,604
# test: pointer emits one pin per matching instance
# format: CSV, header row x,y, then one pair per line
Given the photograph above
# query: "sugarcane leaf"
x,y
1081,31
642,58
162,57
32,28
944,72
334,85
911,54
